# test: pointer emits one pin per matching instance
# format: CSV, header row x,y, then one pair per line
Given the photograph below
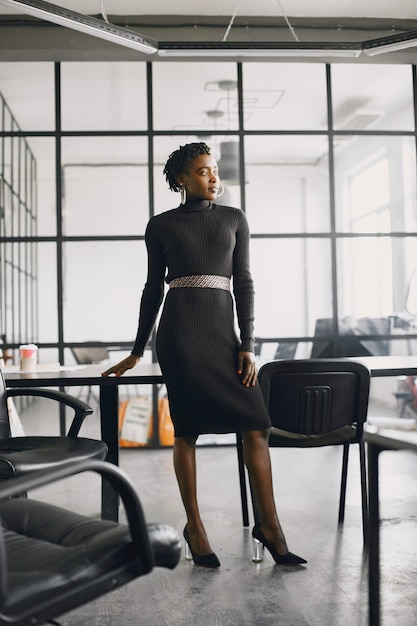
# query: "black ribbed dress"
x,y
197,343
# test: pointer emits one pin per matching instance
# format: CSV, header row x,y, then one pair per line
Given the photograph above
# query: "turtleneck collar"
x,y
197,206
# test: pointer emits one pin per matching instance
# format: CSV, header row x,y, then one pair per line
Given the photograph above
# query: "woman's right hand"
x,y
127,364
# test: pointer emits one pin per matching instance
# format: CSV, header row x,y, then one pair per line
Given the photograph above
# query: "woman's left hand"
x,y
247,368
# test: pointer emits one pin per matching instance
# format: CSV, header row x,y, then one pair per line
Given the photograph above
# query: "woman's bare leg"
x,y
186,472
258,461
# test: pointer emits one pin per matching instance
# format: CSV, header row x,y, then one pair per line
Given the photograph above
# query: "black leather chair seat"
x,y
21,454
53,560
283,439
49,548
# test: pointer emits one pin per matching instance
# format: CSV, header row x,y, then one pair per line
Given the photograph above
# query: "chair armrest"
x,y
118,479
81,409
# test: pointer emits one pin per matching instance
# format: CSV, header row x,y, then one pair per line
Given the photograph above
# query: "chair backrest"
x,y
286,350
53,560
88,355
4,413
315,396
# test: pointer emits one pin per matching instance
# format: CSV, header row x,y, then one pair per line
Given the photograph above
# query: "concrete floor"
x,y
331,590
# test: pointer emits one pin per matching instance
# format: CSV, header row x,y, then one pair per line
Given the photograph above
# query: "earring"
x,y
183,195
222,191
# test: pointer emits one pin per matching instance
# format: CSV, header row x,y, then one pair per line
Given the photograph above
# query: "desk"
x,y
151,374
109,405
378,440
381,366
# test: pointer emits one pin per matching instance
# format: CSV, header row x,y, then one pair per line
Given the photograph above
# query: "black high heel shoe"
x,y
260,542
204,560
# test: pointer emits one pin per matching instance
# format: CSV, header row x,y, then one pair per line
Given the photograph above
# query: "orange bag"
x,y
136,423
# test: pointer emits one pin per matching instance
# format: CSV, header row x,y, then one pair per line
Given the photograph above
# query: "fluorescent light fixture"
x,y
392,43
264,50
359,119
83,23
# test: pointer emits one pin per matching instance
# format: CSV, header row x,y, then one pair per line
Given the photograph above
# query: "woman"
x,y
209,372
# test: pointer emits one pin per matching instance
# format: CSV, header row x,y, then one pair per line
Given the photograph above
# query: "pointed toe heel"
x,y
259,542
203,560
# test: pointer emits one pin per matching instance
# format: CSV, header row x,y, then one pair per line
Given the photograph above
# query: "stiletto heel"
x,y
204,560
187,552
257,551
282,559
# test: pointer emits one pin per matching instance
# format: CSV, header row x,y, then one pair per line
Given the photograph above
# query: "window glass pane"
x,y
224,149
105,185
375,184
377,294
375,276
102,287
195,96
20,281
47,295
287,184
6,117
28,89
7,329
410,299
398,347
300,291
29,293
41,181
27,186
374,97
103,96
282,96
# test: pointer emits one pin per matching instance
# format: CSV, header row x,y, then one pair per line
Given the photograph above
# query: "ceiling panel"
x,y
400,9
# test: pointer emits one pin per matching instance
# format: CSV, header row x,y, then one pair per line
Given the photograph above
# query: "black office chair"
x,y
19,455
313,403
53,560
85,355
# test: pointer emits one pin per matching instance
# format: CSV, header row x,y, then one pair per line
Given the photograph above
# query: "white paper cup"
x,y
28,357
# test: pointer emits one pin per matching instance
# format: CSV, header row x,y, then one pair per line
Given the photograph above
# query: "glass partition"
x,y
103,96
28,90
43,187
47,289
292,285
105,185
281,96
287,184
195,96
372,97
331,200
375,184
375,276
103,283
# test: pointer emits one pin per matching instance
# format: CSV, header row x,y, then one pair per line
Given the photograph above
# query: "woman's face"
x,y
202,179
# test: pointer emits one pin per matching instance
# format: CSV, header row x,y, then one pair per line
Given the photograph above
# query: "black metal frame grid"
x,y
19,242
18,234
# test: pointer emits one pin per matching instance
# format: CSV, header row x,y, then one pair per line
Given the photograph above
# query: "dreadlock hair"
x,y
180,160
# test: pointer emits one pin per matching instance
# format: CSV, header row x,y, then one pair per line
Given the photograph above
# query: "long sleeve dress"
x,y
197,342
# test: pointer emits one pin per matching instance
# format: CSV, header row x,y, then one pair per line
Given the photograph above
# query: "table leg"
x,y
373,538
242,480
109,420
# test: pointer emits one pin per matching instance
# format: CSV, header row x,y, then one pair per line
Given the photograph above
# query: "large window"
x,y
321,158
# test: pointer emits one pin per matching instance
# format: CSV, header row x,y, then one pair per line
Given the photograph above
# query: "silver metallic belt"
x,y
205,281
